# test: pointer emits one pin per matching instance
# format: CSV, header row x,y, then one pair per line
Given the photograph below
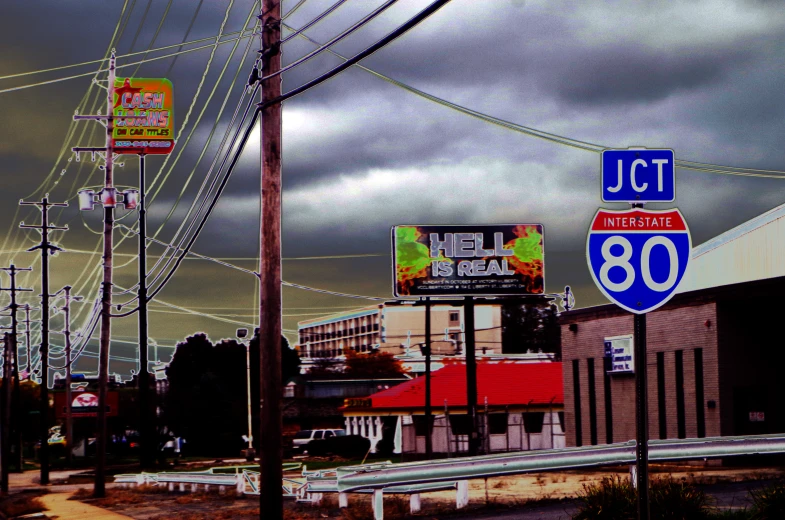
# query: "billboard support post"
x,y
428,411
471,375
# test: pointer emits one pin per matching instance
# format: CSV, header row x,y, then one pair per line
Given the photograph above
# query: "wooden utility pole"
x,y
29,347
109,201
69,423
99,488
271,457
46,250
15,430
5,428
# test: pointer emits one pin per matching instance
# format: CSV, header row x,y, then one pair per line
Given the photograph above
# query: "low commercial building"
x,y
520,407
714,359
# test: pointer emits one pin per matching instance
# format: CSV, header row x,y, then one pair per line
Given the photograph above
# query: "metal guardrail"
x,y
353,478
239,477
413,478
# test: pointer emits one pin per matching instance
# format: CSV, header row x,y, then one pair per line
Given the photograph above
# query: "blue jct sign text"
x,y
638,176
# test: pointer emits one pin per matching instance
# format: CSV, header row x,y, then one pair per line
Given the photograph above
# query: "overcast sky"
x,y
704,78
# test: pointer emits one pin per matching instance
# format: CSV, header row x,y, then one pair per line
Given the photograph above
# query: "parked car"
x,y
304,437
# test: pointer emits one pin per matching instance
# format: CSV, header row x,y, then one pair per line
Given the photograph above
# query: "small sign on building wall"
x,y
619,355
757,416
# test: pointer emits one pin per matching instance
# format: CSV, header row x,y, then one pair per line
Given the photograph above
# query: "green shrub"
x,y
677,500
615,499
769,503
612,499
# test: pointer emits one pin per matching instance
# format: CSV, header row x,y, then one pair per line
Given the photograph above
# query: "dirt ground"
x,y
498,492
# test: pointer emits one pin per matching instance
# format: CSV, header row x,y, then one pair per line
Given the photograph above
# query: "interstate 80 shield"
x,y
638,257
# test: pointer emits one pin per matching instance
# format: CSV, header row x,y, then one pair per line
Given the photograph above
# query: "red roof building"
x,y
503,384
519,406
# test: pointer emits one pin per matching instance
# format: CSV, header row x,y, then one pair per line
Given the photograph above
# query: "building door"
x,y
751,415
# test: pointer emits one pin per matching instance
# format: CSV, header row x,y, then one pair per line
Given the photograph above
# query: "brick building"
x,y
714,359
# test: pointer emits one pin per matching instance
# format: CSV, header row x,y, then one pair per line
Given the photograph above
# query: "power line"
x,y
402,29
187,32
367,18
120,56
146,60
533,132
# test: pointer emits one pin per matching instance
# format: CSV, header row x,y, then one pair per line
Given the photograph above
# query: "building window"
x,y
592,403
680,420
576,397
701,417
375,326
533,421
420,425
661,403
460,424
497,423
454,316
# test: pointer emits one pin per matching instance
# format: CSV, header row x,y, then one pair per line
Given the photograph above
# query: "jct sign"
x,y
638,175
467,260
637,257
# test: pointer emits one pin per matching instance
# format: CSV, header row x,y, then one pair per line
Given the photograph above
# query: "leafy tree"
x,y
207,398
372,365
530,327
325,367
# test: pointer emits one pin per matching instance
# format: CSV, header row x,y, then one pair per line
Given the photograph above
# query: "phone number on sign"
x,y
143,144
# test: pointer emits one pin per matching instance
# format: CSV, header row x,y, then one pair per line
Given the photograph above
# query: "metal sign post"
x,y
637,258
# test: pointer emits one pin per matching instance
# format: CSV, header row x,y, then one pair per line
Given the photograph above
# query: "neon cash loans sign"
x,y
143,116
490,260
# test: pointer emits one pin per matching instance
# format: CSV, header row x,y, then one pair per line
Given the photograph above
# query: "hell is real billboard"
x,y
482,260
143,116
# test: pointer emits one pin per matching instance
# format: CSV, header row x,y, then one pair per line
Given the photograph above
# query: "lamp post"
x,y
241,334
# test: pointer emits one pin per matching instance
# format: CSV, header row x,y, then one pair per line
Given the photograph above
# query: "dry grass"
x,y
500,484
21,504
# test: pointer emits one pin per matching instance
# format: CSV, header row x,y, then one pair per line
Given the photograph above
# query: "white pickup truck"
x,y
303,437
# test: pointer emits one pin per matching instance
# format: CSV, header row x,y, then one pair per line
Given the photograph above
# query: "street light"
x,y
241,334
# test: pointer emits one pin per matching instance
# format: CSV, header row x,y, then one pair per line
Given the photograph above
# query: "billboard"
x,y
85,404
483,260
143,116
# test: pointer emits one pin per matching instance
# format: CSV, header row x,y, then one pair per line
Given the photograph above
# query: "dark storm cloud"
x,y
360,155
633,74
